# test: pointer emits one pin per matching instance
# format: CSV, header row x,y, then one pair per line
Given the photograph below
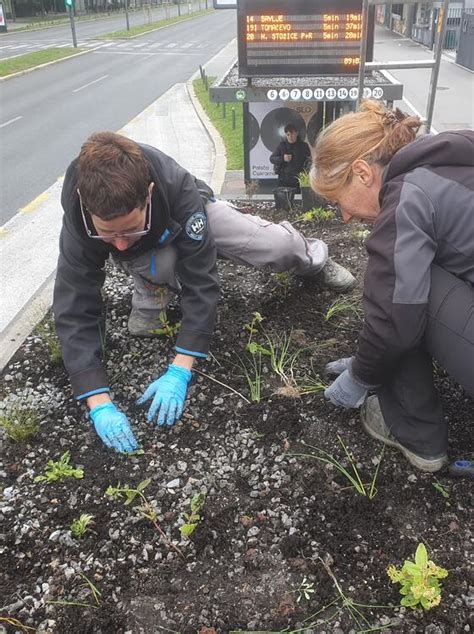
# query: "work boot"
x,y
143,324
335,276
374,424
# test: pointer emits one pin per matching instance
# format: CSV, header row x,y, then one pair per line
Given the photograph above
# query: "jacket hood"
x,y
445,149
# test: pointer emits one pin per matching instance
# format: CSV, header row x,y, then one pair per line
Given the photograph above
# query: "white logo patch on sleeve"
x,y
196,225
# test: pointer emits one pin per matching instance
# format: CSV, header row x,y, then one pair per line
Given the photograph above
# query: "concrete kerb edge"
x,y
23,324
54,61
220,164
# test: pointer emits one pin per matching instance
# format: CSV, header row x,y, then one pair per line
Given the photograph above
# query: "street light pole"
x,y
70,10
126,15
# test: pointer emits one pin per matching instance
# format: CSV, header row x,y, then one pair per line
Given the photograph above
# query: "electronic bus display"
x,y
300,37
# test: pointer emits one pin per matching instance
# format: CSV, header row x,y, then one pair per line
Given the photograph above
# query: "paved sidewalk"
x,y
29,241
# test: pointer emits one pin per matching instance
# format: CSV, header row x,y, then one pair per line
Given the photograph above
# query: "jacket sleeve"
x,y
77,306
197,271
397,282
277,157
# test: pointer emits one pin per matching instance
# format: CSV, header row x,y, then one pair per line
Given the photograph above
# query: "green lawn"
x,y
144,28
29,60
233,139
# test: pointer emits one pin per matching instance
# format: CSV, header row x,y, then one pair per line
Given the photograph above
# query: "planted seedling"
x,y
20,423
419,580
193,518
145,509
166,329
303,179
361,234
252,371
441,489
80,526
352,475
59,470
312,385
316,214
305,590
253,326
283,283
339,307
47,332
282,360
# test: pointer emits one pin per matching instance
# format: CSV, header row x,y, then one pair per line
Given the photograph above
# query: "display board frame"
x,y
297,8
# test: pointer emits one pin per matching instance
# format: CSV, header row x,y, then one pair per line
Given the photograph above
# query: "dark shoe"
x,y
374,424
335,276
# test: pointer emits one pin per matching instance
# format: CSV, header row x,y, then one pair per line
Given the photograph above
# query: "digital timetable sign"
x,y
300,37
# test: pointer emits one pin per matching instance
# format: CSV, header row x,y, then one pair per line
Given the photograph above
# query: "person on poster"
x,y
291,157
131,202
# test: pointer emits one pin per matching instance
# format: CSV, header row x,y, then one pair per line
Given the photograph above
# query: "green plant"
x,y
282,360
80,526
145,509
19,423
193,518
16,624
59,470
303,179
354,478
252,326
252,370
96,594
419,580
47,332
441,489
339,307
316,214
305,590
283,280
166,328
361,234
312,385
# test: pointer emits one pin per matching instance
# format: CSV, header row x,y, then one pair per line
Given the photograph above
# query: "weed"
x,y
354,478
20,423
344,307
145,509
318,214
80,526
59,470
192,519
441,489
166,328
47,332
305,590
419,580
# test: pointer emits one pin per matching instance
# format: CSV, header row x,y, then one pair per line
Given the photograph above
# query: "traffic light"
x,y
69,4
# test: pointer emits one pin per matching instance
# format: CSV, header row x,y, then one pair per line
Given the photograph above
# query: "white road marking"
x,y
4,125
171,45
156,44
90,83
140,45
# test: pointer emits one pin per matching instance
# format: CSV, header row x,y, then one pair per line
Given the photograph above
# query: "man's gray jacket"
x,y
426,217
178,216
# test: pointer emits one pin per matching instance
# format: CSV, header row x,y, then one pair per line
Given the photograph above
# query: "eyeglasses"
x,y
92,233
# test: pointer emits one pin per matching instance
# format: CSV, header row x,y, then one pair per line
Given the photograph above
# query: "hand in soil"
x,y
335,368
168,394
113,428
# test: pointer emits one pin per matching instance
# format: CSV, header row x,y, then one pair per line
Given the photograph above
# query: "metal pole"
x,y
127,21
363,51
441,30
73,26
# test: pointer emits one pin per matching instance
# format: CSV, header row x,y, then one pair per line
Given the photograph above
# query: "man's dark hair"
x,y
113,175
290,128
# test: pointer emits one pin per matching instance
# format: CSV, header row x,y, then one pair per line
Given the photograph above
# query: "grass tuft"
x,y
30,60
20,423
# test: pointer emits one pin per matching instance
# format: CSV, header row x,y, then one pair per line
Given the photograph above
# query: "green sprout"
x,y
166,328
252,371
354,478
20,423
55,471
419,580
338,308
305,590
303,179
318,214
252,327
282,360
441,489
192,519
80,526
283,284
312,385
47,332
361,234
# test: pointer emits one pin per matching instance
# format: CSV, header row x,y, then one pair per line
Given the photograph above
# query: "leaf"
x,y
143,484
409,602
421,556
187,529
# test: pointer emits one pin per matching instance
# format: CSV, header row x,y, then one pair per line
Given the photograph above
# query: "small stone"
x,y
252,532
173,484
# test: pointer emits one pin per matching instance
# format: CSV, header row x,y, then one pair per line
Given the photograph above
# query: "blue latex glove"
x,y
168,394
335,368
113,428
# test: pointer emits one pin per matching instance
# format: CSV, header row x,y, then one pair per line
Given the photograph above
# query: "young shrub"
x,y
20,423
419,580
59,470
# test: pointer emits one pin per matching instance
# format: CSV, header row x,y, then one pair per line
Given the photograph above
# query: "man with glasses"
x,y
137,205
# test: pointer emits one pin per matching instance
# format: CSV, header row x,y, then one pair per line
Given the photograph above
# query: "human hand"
x,y
335,368
168,394
113,428
287,157
346,391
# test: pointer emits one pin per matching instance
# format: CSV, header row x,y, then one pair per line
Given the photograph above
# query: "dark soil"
x,y
272,521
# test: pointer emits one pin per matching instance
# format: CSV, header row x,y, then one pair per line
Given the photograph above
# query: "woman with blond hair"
x,y
418,289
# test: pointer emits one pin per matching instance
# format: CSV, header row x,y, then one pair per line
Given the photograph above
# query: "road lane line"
x,y
90,83
4,125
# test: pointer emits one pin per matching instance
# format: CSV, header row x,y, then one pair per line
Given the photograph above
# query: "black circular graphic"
x,y
273,125
315,125
254,131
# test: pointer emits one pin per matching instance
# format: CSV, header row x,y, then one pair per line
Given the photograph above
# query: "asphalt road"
x,y
13,44
46,115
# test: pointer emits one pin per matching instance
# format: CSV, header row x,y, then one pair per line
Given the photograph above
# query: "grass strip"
x,y
30,60
144,28
233,139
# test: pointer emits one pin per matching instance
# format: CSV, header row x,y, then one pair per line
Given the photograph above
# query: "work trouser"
x,y
241,238
409,402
